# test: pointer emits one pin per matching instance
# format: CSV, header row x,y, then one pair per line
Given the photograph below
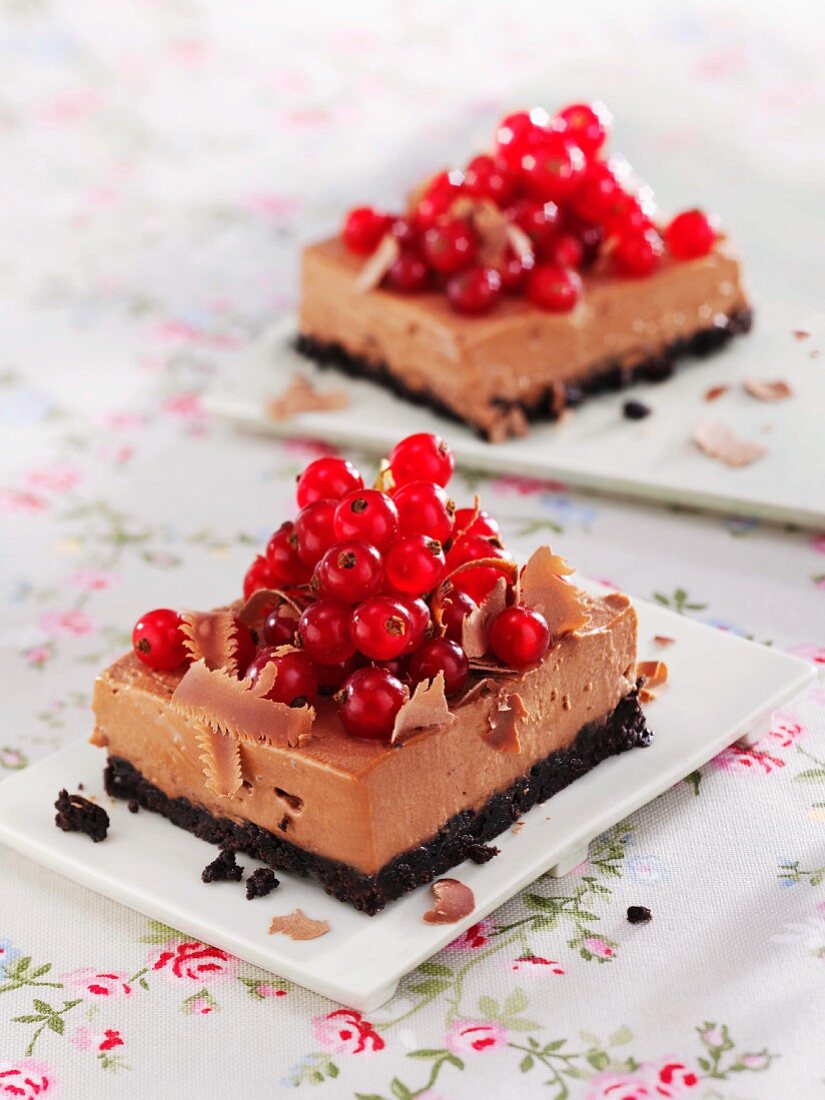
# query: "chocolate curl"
x,y
379,263
475,630
221,758
453,902
503,721
543,587
263,601
298,926
426,709
301,396
489,225
654,672
719,441
764,390
519,242
211,636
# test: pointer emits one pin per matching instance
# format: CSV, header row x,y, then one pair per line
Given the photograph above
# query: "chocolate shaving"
x,y
298,926
426,709
543,587
654,673
493,668
301,396
475,630
646,696
453,902
263,601
503,721
800,334
519,242
489,225
479,690
718,441
211,636
764,390
663,640
379,263
715,392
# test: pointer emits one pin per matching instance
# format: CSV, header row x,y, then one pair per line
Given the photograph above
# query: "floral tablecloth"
x,y
161,163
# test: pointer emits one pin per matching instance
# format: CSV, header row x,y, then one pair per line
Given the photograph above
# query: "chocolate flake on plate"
x,y
719,441
800,334
663,640
301,396
379,263
76,814
426,709
715,392
654,672
298,926
453,902
503,722
543,587
764,389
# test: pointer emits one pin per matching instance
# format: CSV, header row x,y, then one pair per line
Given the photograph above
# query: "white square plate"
x,y
722,689
596,447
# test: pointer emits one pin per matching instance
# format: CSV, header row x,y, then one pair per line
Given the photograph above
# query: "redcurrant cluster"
x,y
549,178
375,586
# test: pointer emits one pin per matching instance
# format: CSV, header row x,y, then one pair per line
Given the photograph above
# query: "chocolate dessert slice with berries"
x,y
392,691
515,288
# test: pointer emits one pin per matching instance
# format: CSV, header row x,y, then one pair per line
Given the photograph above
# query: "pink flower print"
x,y
619,1086
537,963
111,1039
757,1061
786,729
476,936
266,989
67,624
527,486
598,947
201,1006
712,1037
278,207
17,501
307,449
471,1037
742,759
193,961
809,652
180,332
93,983
116,454
186,406
94,580
345,1031
72,107
26,1079
674,1078
38,655
123,421
188,51
82,1038
58,478
818,544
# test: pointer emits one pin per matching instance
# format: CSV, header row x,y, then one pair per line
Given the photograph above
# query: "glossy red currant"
x,y
518,132
279,627
513,270
596,192
324,631
349,571
489,177
552,170
296,678
259,575
440,655
455,608
369,702
449,246
331,677
421,457
538,220
553,289
419,613
638,254
380,628
475,290
157,640
468,521
519,637
368,515
424,509
327,478
478,581
690,235
282,555
586,123
565,250
414,564
408,274
314,531
437,200
363,229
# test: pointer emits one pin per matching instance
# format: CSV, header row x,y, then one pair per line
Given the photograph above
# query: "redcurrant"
x,y
327,478
690,235
475,290
476,582
537,219
296,679
414,564
513,270
369,702
638,254
468,521
282,555
519,636
258,575
552,170
419,613
455,608
363,229
368,515
424,509
518,132
313,530
157,640
324,630
244,646
449,246
349,571
380,628
553,289
421,457
437,200
408,274
488,177
586,123
440,655
279,627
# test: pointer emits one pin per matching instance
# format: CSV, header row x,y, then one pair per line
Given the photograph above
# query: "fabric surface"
x,y
161,164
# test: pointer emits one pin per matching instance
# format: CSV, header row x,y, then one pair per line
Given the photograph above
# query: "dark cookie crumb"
x,y
635,410
133,806
476,851
639,914
222,869
76,814
80,787
260,883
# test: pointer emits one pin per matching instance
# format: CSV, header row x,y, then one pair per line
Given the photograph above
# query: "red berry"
x,y
258,575
367,515
424,509
157,640
324,630
349,571
404,232
489,178
537,219
282,555
414,564
690,235
519,637
628,217
475,582
363,229
553,170
279,627
457,605
419,613
566,251
408,274
437,200
586,123
245,648
440,655
449,246
474,291
513,270
313,530
327,478
596,192
296,680
380,628
638,254
518,132
470,522
421,457
330,677
369,701
399,667
553,288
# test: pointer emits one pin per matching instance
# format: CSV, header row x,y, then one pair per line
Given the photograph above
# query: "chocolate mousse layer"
x,y
363,804
495,373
